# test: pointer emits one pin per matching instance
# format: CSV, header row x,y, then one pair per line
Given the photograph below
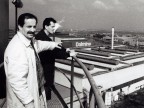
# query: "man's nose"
x,y
33,29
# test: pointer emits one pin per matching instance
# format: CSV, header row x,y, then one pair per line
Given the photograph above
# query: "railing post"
x,y
112,98
72,79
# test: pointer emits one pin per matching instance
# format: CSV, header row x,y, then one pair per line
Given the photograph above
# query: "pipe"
x,y
110,50
97,94
130,50
132,57
98,59
68,62
94,52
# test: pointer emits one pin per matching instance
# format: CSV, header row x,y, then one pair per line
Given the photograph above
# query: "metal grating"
x,y
54,102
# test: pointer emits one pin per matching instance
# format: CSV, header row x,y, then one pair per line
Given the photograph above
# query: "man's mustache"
x,y
31,33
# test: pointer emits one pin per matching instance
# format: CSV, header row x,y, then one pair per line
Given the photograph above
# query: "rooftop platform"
x,y
121,69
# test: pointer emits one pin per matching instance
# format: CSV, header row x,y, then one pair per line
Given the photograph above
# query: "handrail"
x,y
97,94
72,80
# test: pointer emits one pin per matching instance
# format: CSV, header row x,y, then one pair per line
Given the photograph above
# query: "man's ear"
x,y
46,26
19,27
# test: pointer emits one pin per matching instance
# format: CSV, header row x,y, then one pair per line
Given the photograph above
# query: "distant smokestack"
x,y
112,39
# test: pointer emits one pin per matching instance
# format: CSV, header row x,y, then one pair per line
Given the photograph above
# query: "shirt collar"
x,y
24,39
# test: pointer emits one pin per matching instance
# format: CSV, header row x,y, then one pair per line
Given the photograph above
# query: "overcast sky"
x,y
125,15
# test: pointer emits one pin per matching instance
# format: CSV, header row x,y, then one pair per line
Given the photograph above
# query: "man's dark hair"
x,y
22,17
47,21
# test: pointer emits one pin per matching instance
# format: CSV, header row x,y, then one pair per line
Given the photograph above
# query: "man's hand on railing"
x,y
71,52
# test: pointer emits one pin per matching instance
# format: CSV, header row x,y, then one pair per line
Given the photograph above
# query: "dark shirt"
x,y
48,58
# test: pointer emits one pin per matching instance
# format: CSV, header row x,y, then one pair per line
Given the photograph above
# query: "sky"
x,y
123,15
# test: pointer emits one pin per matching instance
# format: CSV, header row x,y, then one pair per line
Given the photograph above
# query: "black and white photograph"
x,y
72,54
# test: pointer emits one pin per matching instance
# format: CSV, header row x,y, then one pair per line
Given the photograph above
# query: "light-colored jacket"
x,y
20,68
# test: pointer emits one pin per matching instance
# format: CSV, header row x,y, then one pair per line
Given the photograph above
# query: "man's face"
x,y
29,28
50,29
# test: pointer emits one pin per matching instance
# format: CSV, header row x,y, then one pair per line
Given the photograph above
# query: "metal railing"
x,y
94,87
96,92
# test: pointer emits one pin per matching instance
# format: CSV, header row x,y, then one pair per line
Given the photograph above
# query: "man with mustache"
x,y
24,74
